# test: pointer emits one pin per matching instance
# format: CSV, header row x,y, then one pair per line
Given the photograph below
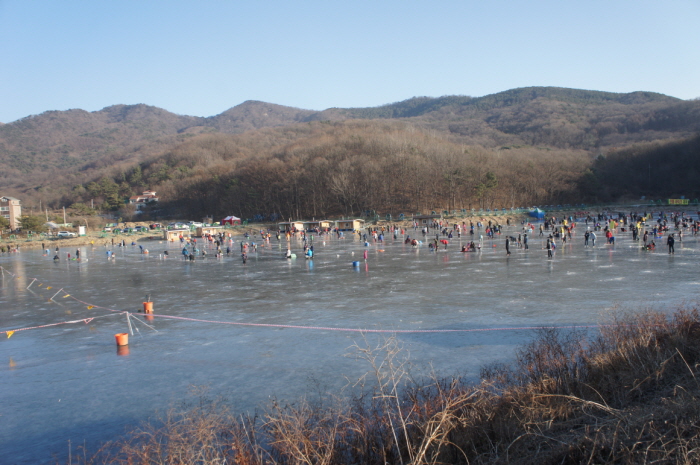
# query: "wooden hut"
x,y
172,235
349,225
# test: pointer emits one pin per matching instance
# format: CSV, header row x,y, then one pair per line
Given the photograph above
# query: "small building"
x,y
210,230
426,219
12,210
288,226
141,200
349,225
172,235
311,225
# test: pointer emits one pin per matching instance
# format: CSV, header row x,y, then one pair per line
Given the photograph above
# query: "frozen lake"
x,y
67,382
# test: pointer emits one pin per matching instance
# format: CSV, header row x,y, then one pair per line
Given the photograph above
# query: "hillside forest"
x,y
526,147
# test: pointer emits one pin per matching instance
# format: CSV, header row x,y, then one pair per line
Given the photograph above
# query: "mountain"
x,y
255,115
41,153
551,116
58,140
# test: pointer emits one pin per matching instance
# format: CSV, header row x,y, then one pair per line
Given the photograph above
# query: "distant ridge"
x,y
418,106
253,114
78,144
256,114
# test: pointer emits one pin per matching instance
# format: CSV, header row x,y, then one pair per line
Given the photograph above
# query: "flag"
x,y
9,334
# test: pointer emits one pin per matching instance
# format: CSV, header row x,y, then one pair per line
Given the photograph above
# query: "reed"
x,y
628,394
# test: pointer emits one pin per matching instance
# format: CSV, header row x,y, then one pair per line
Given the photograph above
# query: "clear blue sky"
x,y
202,57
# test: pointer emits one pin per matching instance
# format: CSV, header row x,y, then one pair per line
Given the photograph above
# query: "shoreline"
x,y
96,238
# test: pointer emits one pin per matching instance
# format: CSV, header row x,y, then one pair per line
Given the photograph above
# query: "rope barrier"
x,y
9,332
359,330
276,325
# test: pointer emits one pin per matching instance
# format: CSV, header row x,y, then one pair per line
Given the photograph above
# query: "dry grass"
x,y
627,395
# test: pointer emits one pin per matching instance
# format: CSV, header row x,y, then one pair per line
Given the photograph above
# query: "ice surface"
x,y
67,382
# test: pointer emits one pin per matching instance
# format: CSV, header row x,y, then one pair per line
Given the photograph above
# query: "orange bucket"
x,y
122,339
148,307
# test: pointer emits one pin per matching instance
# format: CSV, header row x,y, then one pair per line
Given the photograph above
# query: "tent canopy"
x,y
536,213
231,220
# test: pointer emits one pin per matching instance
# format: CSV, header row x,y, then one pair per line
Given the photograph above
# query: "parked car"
x,y
66,234
140,228
155,226
116,231
107,229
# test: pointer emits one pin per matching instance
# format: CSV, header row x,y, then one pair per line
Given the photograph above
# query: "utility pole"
x,y
64,216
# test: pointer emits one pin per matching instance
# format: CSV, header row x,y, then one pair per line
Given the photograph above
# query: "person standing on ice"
x,y
671,242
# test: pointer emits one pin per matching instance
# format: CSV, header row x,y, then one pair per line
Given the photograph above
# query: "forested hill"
x,y
46,155
419,106
549,116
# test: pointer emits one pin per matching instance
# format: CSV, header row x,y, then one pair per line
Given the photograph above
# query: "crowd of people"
x,y
645,228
